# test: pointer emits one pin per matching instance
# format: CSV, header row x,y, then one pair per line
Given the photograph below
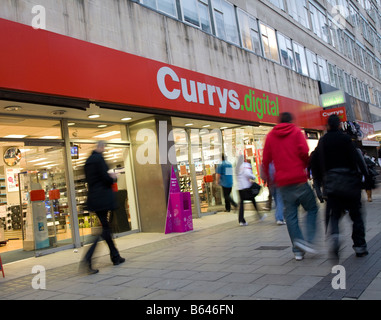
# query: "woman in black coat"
x,y
101,199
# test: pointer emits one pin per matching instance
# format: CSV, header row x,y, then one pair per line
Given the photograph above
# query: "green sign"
x,y
332,98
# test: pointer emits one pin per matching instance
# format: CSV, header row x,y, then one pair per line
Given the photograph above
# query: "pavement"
x,y
218,260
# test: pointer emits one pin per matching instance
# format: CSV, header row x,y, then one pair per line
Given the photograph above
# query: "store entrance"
x,y
34,211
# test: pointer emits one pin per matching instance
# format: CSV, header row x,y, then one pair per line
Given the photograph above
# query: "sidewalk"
x,y
219,260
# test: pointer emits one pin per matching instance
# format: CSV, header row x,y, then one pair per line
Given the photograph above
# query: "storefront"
x,y
59,95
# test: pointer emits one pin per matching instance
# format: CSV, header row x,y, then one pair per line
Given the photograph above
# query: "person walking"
x,y
225,180
371,183
101,199
245,179
286,147
336,152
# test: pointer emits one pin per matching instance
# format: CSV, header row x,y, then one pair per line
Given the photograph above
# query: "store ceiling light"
x,y
102,126
189,124
223,128
70,124
94,116
108,134
49,137
126,119
12,108
206,126
15,136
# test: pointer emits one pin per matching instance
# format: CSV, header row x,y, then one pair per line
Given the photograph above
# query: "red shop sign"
x,y
44,62
341,112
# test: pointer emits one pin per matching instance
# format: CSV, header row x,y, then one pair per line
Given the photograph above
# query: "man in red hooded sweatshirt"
x,y
286,146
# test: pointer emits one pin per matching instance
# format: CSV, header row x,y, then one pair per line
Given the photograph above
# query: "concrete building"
x,y
184,71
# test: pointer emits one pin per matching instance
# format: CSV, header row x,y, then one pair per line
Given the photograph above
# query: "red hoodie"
x,y
287,148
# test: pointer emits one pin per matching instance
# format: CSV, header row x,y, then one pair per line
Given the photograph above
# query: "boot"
x,y
117,260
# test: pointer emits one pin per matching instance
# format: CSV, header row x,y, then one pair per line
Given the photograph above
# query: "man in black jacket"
x,y
337,150
101,199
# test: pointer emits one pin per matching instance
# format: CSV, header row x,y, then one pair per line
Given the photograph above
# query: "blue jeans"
x,y
279,207
293,196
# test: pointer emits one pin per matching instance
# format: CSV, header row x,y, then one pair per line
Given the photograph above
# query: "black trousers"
x,y
106,235
336,207
228,199
242,197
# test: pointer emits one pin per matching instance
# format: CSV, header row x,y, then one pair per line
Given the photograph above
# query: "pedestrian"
x,y
379,156
275,192
336,154
245,179
286,147
101,199
225,180
371,183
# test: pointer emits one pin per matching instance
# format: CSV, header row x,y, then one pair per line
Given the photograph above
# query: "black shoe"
x,y
118,260
362,254
86,266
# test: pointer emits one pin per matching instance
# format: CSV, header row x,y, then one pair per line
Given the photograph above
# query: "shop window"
x,y
269,41
20,128
285,50
96,131
300,59
196,12
249,32
225,19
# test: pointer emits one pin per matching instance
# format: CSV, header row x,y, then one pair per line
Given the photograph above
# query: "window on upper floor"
x,y
249,32
225,20
285,51
278,3
323,70
319,22
196,12
333,81
270,45
299,11
312,63
166,6
300,59
348,83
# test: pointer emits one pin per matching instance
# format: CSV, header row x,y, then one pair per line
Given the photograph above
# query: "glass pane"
x,y
43,192
19,128
230,23
167,6
96,131
190,11
120,219
204,17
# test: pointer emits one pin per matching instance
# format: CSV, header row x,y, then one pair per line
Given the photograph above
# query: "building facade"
x,y
167,83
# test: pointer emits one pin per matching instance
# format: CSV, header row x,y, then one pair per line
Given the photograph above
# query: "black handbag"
x,y
253,191
342,182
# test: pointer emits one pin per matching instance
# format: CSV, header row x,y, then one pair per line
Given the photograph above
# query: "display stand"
x,y
1,267
179,211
